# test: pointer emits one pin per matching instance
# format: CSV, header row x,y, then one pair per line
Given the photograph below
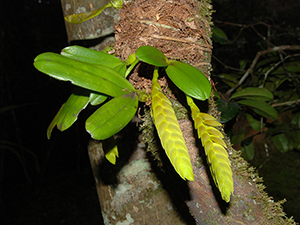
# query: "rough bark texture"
x,y
130,192
143,188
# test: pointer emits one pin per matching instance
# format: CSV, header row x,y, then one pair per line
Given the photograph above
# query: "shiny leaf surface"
x,y
260,107
97,99
94,57
152,56
189,79
228,110
112,117
69,112
110,149
53,123
254,93
90,76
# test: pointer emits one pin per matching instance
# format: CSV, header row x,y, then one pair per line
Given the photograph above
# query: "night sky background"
x,y
50,181
42,181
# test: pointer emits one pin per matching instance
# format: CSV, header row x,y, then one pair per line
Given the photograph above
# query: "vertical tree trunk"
x,y
136,190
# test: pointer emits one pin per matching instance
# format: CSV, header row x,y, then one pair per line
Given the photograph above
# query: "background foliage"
x,y
262,47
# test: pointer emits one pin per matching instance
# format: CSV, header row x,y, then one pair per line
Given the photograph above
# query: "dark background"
x,y
59,188
50,181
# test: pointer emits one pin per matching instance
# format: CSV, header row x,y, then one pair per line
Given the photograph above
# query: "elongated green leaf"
x,y
189,79
219,36
254,123
254,93
248,151
110,149
281,142
96,99
230,79
94,57
69,112
260,107
151,56
296,119
112,116
228,110
53,122
90,76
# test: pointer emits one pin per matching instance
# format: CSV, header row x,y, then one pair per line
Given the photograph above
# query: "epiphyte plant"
x,y
101,80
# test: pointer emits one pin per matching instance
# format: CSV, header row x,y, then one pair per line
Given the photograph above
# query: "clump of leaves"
x,y
272,89
101,81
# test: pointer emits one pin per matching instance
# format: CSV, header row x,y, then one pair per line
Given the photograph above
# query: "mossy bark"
x,y
143,188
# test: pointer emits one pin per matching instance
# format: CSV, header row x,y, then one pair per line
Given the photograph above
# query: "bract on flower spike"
x,y
169,131
214,147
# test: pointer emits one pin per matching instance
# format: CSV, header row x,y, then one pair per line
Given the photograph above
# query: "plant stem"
x,y
254,62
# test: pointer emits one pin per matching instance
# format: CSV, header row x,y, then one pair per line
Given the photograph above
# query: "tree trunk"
x,y
143,188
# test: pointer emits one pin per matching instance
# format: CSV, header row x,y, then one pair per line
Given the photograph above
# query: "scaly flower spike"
x,y
214,146
169,131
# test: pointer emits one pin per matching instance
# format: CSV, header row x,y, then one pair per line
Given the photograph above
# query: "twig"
x,y
226,66
286,103
254,62
274,66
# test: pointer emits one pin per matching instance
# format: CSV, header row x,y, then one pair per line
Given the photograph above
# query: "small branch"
x,y
226,66
254,62
274,66
286,103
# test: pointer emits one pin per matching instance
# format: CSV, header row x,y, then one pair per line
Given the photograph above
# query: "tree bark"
x,y
141,189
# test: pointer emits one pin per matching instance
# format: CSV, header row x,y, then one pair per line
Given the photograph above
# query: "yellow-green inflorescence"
x,y
169,131
215,149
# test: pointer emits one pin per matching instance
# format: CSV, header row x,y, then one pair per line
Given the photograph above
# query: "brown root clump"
x,y
174,27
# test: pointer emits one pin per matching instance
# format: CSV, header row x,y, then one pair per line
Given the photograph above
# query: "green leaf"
x,y
152,56
237,138
295,139
292,67
53,122
228,110
248,151
112,116
243,64
69,112
96,98
131,58
121,69
219,36
110,149
254,93
90,76
281,142
94,57
189,79
255,124
230,79
296,119
260,107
